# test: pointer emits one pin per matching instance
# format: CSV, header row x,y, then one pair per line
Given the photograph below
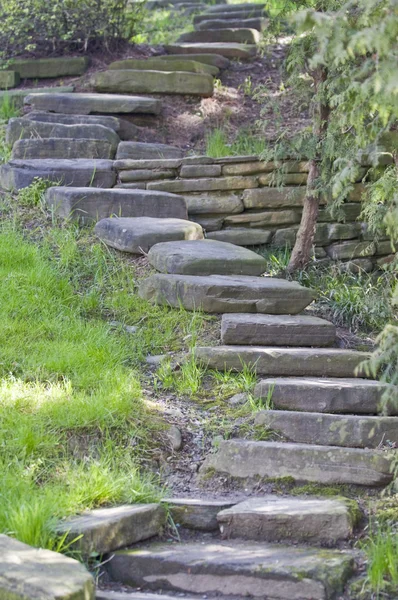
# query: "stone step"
x,y
300,519
158,64
240,236
153,82
257,23
111,595
19,128
303,463
145,151
243,6
86,104
197,513
87,204
318,394
106,529
138,235
222,294
60,148
205,257
17,96
330,430
48,68
276,330
244,51
238,570
278,361
215,60
223,35
236,15
124,129
18,174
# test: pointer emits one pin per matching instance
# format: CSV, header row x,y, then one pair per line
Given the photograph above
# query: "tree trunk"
x,y
305,236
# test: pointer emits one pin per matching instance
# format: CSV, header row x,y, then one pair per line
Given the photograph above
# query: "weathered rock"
x,y
347,250
111,595
17,96
197,160
145,175
208,222
144,151
62,148
343,231
86,104
285,179
384,247
157,64
153,163
28,573
321,464
241,236
8,79
219,294
271,361
124,129
210,36
241,569
226,17
257,23
106,529
359,265
265,218
174,436
205,257
138,235
196,513
238,399
274,518
200,171
153,82
357,396
227,50
270,197
330,430
206,185
47,68
18,174
285,238
215,60
214,203
276,330
350,212
18,129
87,204
249,167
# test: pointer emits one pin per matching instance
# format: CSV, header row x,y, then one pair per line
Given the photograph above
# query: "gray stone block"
x,y
230,50
48,68
144,151
162,64
214,203
235,36
215,60
60,148
85,104
206,184
241,236
8,79
196,513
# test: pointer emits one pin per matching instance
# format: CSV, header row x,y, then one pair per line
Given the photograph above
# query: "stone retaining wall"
x,y
235,200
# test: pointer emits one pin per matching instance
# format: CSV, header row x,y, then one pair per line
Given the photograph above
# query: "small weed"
x,y
8,109
381,548
33,195
228,383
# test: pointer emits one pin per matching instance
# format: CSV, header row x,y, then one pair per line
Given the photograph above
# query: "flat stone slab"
x,y
62,148
256,23
207,184
322,395
18,174
85,104
222,294
275,518
241,236
28,573
240,569
330,430
196,513
153,82
110,595
269,197
144,151
87,204
159,64
205,257
303,462
138,235
18,95
106,529
276,330
215,60
227,50
237,15
295,362
223,35
47,68
214,203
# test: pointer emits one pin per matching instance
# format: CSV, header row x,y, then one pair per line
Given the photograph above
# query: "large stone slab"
x,y
28,573
219,294
205,257
228,50
144,151
215,60
196,513
241,569
8,79
106,529
231,8
153,82
214,203
124,129
241,236
319,464
62,148
257,23
17,96
19,128
205,184
159,64
237,15
295,362
18,174
48,68
270,197
322,395
276,330
111,595
138,235
330,430
87,204
226,35
276,519
86,104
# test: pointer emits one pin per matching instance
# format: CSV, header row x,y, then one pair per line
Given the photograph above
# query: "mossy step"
x,y
48,68
238,569
8,79
230,50
215,60
161,64
86,104
223,35
257,23
322,429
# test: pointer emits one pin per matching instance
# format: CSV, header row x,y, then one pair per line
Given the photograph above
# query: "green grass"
x,y
163,26
381,548
244,142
